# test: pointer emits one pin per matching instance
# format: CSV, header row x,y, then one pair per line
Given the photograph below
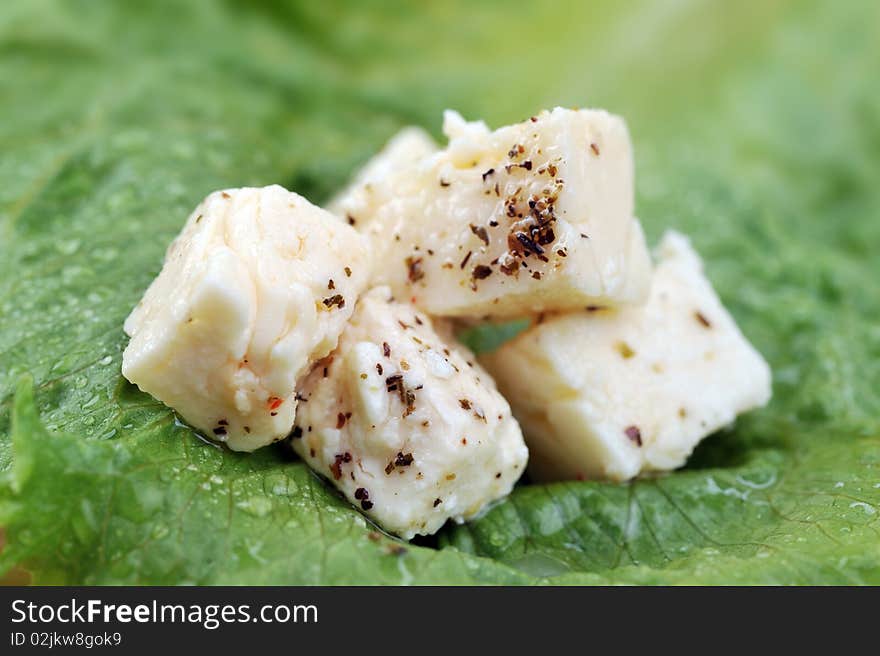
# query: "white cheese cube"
x,y
612,393
405,423
258,285
531,217
356,203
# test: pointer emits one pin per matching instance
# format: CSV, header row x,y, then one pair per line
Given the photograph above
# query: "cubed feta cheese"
x,y
531,217
405,422
258,285
609,394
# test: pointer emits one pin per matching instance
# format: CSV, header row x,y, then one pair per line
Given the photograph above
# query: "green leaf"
x,y
805,518
757,132
162,508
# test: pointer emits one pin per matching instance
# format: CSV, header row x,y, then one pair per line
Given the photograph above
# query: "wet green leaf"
x,y
757,132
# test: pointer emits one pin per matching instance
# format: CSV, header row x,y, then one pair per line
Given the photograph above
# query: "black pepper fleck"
x,y
336,300
414,269
481,233
481,271
633,433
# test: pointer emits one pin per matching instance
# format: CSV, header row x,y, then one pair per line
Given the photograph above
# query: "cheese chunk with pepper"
x,y
405,149
532,217
258,285
405,422
610,394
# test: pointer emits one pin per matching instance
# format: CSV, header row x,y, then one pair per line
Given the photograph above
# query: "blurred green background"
x,y
756,127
